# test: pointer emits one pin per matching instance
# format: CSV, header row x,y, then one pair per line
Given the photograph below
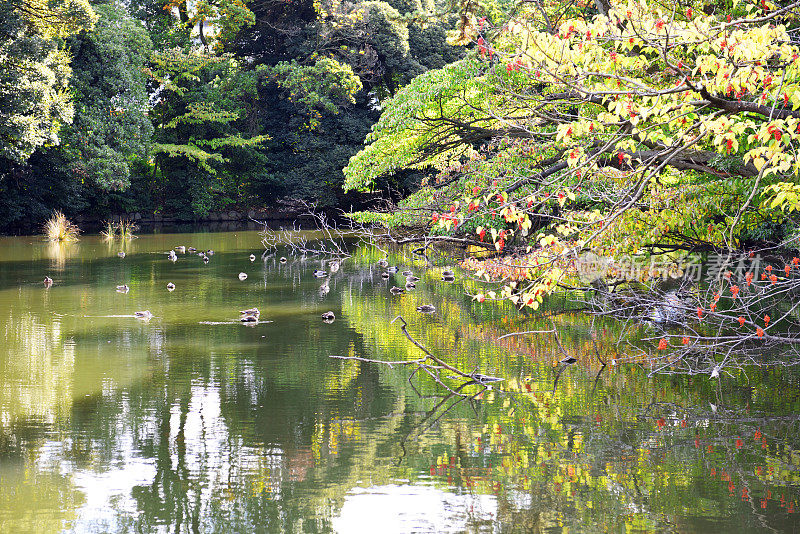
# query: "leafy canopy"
x,y
631,131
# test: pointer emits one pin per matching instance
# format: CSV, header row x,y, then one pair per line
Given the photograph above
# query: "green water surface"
x,y
195,422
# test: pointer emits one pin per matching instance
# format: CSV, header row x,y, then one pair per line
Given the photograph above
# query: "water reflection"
x,y
407,508
59,252
109,424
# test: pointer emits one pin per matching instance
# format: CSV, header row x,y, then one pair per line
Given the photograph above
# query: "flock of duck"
x,y
252,315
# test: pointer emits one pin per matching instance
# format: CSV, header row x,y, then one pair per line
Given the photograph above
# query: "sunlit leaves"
x,y
327,85
401,135
34,72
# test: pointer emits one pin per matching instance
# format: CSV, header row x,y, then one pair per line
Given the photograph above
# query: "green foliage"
x,y
186,107
202,127
34,72
327,85
111,127
226,17
403,136
165,31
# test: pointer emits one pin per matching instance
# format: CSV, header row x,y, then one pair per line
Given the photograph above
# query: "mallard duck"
x,y
252,257
385,276
334,266
143,314
172,256
205,259
426,308
121,254
201,254
384,263
391,269
181,249
407,273
123,288
283,259
448,274
209,252
328,316
250,311
48,281
242,276
448,278
320,274
568,360
410,285
249,318
191,249
170,287
418,251
412,278
397,290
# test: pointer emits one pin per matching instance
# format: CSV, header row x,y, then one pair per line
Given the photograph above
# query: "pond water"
x,y
195,422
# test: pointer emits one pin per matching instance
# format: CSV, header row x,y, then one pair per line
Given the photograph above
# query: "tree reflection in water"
x,y
178,426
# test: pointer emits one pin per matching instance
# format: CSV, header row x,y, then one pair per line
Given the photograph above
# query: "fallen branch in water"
x,y
334,241
432,370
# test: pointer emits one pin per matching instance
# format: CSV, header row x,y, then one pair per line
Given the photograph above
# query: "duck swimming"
x,y
121,254
426,308
397,290
251,311
383,263
242,276
385,276
412,278
123,288
320,274
328,317
48,281
143,314
283,259
407,273
181,249
252,257
410,285
191,249
170,287
172,256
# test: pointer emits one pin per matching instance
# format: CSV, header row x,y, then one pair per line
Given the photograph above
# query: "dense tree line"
x,y
185,108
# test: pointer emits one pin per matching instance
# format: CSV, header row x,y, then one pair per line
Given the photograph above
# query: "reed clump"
x,y
122,229
126,228
109,231
59,229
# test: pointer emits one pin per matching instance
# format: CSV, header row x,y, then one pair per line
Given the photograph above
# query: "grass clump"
x,y
59,229
126,228
109,230
123,229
